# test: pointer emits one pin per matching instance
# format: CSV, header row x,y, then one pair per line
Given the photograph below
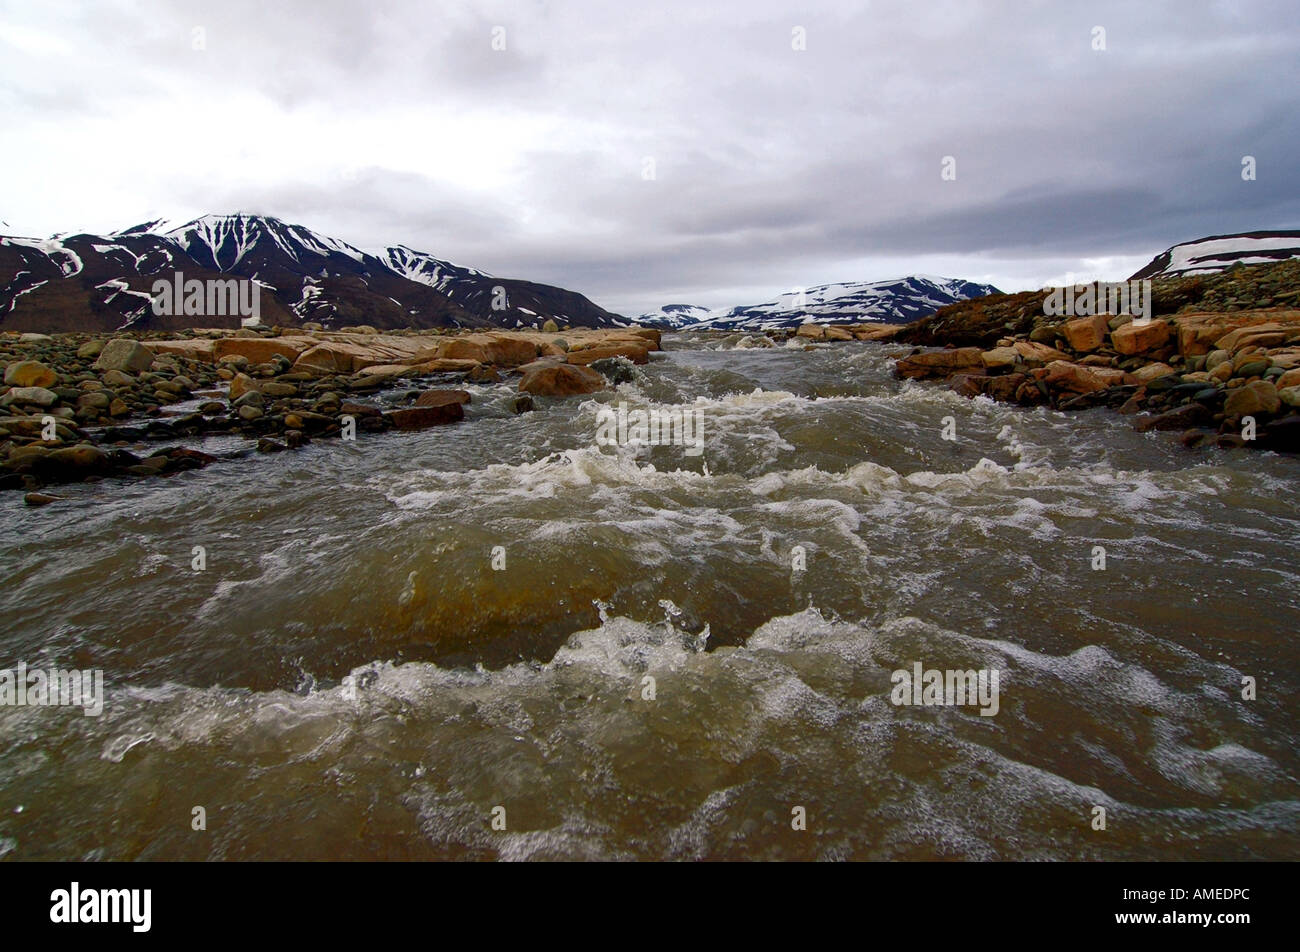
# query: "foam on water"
x,y
352,679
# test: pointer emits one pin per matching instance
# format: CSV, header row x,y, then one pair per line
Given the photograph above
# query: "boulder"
x,y
562,380
1256,397
37,396
417,418
348,408
332,357
940,363
197,349
651,334
503,350
638,353
1036,354
260,350
446,365
1199,332
1086,334
1071,378
240,385
1185,417
811,331
1267,334
30,373
440,398
969,385
126,355
387,371
1000,357
877,331
1004,387
1149,372
351,354
1139,337
1289,378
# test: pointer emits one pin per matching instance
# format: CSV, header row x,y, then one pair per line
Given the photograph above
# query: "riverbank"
x,y
78,407
1217,360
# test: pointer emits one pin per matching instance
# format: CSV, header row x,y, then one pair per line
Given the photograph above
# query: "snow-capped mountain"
x,y
674,316
1217,252
896,301
90,282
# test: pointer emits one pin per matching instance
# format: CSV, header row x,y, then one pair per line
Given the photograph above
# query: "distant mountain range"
x,y
895,301
101,283
1206,255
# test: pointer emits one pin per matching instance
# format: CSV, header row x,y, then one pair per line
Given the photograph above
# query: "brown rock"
x,y
1000,357
417,418
122,353
347,408
1268,334
969,385
240,385
637,353
440,398
940,363
877,331
652,334
30,373
1150,372
1138,337
1072,378
1256,397
1004,388
198,349
260,350
1086,334
1037,354
562,380
1184,417
503,350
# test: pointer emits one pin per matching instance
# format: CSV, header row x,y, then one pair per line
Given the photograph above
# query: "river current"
x,y
501,640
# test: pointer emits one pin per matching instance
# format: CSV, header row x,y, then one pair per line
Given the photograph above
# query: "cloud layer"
x,y
667,152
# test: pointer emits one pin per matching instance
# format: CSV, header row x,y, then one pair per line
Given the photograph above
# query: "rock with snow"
x,y
894,301
1217,252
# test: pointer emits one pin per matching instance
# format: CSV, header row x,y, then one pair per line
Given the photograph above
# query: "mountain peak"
x,y
93,282
892,300
1217,252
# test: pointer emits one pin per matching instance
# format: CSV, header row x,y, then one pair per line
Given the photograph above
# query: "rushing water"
x,y
470,687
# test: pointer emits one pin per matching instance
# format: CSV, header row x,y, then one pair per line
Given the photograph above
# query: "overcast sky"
x,y
665,152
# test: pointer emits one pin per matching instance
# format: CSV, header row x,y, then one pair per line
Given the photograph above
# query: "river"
x,y
636,653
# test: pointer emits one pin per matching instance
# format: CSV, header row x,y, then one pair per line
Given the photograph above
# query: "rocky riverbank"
x,y
1218,361
78,407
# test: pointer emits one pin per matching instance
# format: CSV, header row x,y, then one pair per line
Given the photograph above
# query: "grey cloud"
x,y
771,163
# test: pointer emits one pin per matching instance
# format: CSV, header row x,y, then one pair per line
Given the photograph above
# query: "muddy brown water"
x,y
350,677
